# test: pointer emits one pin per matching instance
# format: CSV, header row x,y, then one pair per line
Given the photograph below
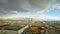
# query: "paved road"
x,y
21,30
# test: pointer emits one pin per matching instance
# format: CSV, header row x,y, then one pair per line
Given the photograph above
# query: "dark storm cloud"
x,y
7,7
6,12
11,6
34,5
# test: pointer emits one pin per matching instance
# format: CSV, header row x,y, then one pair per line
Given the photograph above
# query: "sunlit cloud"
x,y
58,7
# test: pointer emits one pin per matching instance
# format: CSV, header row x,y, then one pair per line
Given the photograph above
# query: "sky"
x,y
37,9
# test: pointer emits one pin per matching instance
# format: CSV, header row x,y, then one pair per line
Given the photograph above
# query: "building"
x,y
12,29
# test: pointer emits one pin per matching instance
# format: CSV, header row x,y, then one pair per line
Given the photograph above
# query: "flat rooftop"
x,y
11,27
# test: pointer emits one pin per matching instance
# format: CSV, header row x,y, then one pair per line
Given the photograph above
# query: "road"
x,y
21,30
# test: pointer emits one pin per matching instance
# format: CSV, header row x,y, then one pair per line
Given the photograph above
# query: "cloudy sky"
x,y
43,9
